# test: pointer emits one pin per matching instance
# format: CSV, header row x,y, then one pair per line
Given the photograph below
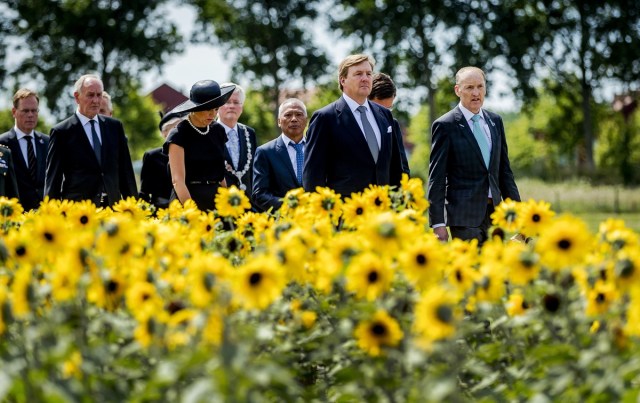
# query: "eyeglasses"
x,y
27,111
234,103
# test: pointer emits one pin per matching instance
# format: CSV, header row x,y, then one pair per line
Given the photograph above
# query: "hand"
x,y
441,233
518,238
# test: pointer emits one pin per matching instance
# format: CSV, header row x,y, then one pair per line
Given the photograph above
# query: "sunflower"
x,y
48,234
84,215
601,297
380,331
516,305
10,210
506,215
460,274
534,217
436,316
72,366
385,232
22,292
632,326
490,285
325,203
423,261
137,208
368,276
565,242
185,214
64,281
20,249
142,297
355,210
377,197
203,280
231,202
627,268
521,263
293,200
413,193
258,282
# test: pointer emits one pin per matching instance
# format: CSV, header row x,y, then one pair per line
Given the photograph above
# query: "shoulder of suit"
x,y
271,144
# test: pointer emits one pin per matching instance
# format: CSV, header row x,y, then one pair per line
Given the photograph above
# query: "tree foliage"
x,y
65,39
269,41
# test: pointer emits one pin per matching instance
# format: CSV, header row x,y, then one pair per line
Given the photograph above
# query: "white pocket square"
x,y
389,129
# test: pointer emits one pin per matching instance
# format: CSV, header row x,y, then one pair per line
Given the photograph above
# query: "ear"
x,y
456,89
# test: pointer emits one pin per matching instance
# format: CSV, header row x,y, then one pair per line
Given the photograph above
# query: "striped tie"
x,y
31,157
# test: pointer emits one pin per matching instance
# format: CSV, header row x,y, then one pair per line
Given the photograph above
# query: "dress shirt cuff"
x,y
438,225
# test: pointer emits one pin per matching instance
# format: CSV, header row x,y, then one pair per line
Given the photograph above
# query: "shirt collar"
x,y
227,129
84,120
468,114
353,105
20,134
287,140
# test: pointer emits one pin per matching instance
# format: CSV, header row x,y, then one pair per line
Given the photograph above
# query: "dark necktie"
x,y
97,147
299,160
368,132
478,133
31,159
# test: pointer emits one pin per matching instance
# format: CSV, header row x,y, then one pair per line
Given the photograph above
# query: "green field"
x,y
593,204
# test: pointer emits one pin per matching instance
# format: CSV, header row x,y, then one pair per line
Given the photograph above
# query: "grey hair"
x,y
290,101
78,85
238,89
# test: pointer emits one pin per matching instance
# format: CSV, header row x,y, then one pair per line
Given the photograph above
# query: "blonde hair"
x,y
352,60
23,93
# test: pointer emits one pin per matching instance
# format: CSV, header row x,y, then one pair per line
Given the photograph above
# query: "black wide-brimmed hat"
x,y
205,95
168,116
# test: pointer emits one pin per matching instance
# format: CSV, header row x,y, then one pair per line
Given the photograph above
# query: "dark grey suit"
x,y
337,155
457,172
31,191
73,171
273,175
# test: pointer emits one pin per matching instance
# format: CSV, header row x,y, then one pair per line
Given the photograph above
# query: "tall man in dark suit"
x,y
241,144
29,148
8,183
278,164
469,167
350,142
88,156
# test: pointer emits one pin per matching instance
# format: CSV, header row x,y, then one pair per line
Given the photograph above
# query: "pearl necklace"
x,y
247,165
204,133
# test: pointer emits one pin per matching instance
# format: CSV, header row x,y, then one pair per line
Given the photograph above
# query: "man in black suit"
x,y
469,167
278,164
241,143
383,92
88,156
155,181
28,147
350,142
8,183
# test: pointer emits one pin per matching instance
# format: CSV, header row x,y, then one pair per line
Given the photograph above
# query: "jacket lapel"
x,y
348,120
465,131
494,137
283,156
18,158
41,154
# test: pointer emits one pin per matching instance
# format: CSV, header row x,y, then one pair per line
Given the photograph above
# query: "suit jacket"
x,y
403,154
73,171
273,175
337,155
458,175
155,182
8,183
31,192
245,154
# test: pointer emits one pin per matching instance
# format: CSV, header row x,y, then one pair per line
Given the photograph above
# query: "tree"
x,y
269,41
594,40
65,39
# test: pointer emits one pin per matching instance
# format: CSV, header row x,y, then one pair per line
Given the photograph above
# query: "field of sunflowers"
x,y
327,300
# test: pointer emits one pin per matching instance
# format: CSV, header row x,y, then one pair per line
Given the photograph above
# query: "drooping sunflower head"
x,y
380,331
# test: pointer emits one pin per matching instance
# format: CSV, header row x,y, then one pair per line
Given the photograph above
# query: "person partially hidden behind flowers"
x,y
196,146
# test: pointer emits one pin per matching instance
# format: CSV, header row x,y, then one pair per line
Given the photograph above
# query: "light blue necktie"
x,y
299,160
478,133
233,144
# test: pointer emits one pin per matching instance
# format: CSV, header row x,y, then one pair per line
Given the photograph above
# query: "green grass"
x,y
593,204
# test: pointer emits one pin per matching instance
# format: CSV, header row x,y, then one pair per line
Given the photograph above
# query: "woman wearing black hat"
x,y
196,146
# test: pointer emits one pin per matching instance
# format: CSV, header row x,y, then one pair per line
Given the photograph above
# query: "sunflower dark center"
x,y
625,268
551,303
359,211
255,278
21,250
7,210
372,277
564,244
536,218
510,216
421,259
377,202
112,286
444,313
145,296
379,329
84,219
458,276
235,200
49,236
600,298
387,230
208,228
233,245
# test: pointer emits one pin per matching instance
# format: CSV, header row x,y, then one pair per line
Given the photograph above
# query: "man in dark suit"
x,y
469,167
350,142
241,143
28,147
8,183
278,164
155,181
383,92
88,156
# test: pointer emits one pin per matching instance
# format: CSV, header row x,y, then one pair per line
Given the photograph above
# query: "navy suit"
x,y
337,155
458,174
245,152
273,175
155,182
31,191
8,183
73,171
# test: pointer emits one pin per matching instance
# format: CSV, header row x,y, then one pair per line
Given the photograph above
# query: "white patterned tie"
x,y
478,133
233,145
